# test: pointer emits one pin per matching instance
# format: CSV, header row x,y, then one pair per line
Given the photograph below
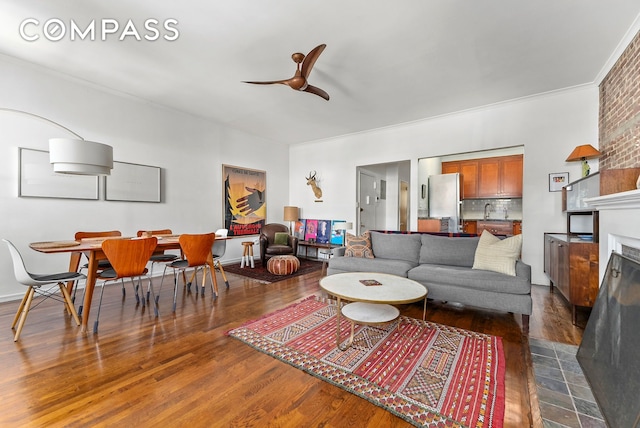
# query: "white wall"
x,y
549,126
189,150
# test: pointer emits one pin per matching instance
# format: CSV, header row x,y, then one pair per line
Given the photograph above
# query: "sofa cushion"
x,y
442,250
396,246
357,264
281,238
483,280
498,255
359,246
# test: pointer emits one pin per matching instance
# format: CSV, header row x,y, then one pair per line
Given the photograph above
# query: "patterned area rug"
x,y
263,275
427,374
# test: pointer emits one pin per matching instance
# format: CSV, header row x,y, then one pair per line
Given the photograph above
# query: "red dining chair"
x,y
102,264
197,251
158,256
129,258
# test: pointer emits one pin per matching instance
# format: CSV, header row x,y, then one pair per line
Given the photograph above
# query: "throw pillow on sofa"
x,y
498,255
281,238
359,246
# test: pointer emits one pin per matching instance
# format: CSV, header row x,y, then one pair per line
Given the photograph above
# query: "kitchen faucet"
x,y
486,212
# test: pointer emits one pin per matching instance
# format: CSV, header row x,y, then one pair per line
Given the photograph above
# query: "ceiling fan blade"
x,y
271,82
310,60
317,91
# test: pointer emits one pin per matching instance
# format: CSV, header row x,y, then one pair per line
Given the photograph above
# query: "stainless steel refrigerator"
x,y
444,199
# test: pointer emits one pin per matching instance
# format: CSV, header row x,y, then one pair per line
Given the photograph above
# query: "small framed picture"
x,y
557,180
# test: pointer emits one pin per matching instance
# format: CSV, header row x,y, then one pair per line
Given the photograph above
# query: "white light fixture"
x,y
81,157
75,155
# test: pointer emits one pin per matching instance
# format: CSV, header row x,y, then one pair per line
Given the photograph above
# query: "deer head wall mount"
x,y
311,181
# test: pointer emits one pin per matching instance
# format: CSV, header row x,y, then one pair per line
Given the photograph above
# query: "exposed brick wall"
x,y
619,121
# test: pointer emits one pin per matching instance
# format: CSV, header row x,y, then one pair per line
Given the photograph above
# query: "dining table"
x,y
92,249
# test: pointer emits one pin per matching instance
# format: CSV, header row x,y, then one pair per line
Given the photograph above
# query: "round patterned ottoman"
x,y
283,265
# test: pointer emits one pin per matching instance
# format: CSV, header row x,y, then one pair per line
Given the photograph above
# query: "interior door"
x,y
367,201
403,206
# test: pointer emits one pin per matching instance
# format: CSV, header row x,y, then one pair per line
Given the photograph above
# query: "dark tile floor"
x,y
563,392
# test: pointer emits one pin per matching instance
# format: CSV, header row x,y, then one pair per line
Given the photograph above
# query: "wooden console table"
x,y
315,245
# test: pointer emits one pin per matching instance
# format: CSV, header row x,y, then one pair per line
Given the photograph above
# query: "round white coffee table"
x,y
372,295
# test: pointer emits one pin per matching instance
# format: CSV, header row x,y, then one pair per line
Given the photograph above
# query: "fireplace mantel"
x,y
615,201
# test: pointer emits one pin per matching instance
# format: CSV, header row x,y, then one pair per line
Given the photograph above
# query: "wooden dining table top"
x,y
93,244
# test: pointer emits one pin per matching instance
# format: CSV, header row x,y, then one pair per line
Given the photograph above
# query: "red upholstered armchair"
x,y
273,242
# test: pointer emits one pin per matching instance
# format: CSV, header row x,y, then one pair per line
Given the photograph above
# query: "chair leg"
x,y
214,281
68,302
95,325
25,312
153,296
19,311
175,290
224,276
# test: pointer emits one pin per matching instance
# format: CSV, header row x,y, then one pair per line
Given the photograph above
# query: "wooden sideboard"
x,y
571,264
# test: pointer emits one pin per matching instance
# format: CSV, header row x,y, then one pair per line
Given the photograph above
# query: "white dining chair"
x,y
34,282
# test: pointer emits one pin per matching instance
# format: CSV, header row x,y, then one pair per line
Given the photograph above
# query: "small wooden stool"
x,y
247,254
283,265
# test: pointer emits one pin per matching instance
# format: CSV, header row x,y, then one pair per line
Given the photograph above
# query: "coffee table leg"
x,y
338,330
424,311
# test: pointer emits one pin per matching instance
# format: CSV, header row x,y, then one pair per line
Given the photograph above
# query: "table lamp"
x,y
291,214
582,153
343,226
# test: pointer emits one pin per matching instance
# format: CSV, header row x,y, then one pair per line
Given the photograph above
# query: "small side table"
x,y
247,254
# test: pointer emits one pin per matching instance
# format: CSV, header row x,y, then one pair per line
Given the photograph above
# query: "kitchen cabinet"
x,y
572,267
500,177
429,225
468,170
497,177
517,227
470,226
496,227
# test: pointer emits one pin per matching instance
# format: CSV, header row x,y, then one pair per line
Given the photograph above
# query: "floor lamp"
x,y
291,214
343,227
76,155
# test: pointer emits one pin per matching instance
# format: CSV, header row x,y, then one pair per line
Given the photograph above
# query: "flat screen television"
x,y
610,350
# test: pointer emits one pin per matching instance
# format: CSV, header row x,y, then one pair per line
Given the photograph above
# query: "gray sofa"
x,y
443,265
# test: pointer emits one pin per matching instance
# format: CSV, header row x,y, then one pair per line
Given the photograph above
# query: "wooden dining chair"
x,y
197,252
218,249
129,258
158,256
102,264
34,282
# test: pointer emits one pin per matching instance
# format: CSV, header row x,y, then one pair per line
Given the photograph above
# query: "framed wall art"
x,y
37,179
557,180
244,200
132,182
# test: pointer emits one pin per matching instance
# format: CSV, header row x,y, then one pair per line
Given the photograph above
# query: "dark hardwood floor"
x,y
182,370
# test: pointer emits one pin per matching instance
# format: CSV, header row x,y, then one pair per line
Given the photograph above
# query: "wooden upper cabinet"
x,y
450,167
511,176
468,170
500,177
488,178
497,177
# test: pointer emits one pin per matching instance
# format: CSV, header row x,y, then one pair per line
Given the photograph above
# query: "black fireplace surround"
x,y
610,350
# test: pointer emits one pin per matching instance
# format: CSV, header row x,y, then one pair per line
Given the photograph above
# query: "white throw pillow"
x,y
498,255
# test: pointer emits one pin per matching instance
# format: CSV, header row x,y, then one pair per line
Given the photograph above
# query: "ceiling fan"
x,y
299,80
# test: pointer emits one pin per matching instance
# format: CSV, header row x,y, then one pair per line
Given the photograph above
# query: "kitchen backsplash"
x,y
498,209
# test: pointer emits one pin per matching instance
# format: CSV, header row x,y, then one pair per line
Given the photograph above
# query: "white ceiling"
x,y
385,62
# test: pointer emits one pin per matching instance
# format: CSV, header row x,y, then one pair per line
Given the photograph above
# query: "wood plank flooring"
x,y
182,370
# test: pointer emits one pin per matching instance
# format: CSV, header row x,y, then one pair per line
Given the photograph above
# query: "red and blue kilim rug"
x,y
428,374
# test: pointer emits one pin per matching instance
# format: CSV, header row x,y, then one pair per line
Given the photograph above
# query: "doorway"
x,y
403,207
367,201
